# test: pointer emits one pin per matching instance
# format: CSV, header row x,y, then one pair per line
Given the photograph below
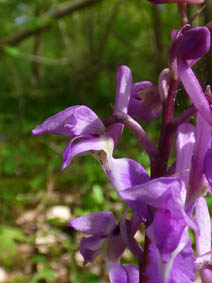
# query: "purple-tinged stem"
x,y
136,129
183,14
159,165
185,116
209,26
145,261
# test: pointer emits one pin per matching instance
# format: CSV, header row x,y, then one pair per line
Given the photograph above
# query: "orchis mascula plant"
x,y
170,201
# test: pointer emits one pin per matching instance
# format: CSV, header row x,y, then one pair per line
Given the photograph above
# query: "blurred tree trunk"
x,y
46,21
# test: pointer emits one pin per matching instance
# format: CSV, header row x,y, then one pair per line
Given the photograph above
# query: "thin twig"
x,y
183,14
46,21
64,32
197,14
44,60
185,116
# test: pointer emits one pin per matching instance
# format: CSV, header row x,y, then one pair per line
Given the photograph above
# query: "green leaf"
x,y
45,274
98,194
11,50
8,238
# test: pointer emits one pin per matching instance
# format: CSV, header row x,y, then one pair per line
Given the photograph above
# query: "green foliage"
x,y
45,274
10,50
8,238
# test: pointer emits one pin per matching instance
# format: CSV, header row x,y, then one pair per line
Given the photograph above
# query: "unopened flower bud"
x,y
195,43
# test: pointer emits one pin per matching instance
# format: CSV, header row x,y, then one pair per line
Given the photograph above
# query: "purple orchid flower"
x,y
80,122
194,44
145,103
108,240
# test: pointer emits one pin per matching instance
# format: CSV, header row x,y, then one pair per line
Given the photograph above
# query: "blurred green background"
x,y
55,54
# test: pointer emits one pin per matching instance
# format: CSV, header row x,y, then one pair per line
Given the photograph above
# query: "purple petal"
x,y
122,273
84,147
197,180
185,145
194,90
135,223
73,121
152,271
203,238
195,43
202,217
117,273
90,247
124,85
124,173
115,247
164,193
165,232
204,261
180,267
132,273
145,102
128,237
97,223
183,266
208,167
156,193
139,87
